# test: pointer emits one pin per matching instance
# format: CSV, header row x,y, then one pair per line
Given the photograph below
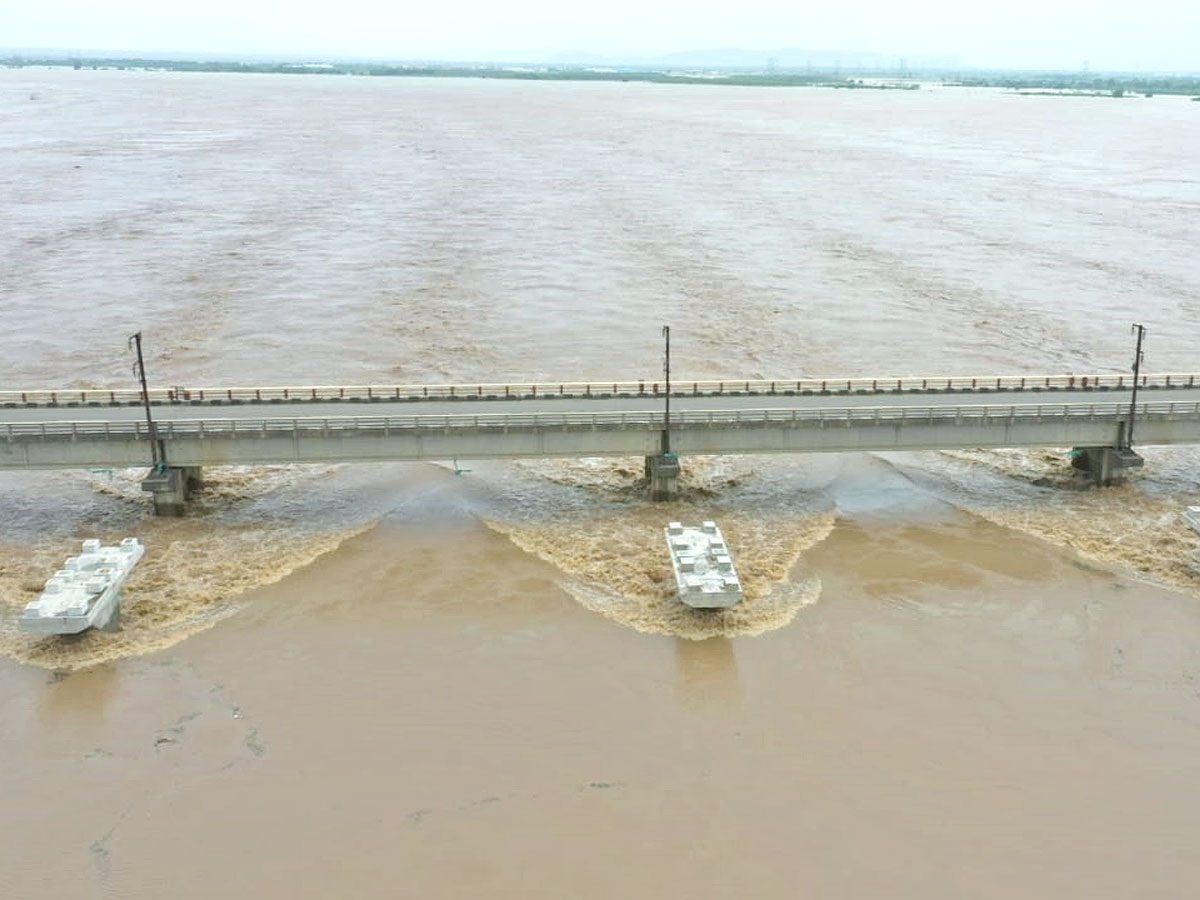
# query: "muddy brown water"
x,y
955,675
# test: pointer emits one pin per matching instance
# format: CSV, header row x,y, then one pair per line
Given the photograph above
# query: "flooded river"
x,y
954,674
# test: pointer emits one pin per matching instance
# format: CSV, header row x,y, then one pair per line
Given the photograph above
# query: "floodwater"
x,y
954,674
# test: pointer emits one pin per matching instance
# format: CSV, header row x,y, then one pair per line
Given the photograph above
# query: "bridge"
x,y
193,428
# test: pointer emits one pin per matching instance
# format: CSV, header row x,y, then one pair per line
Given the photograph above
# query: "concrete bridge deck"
x,y
441,404
249,440
624,390
46,432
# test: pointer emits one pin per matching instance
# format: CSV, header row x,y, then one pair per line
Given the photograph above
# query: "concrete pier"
x,y
662,471
170,488
1105,465
194,476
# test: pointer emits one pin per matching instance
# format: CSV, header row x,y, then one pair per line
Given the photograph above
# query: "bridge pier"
x,y
662,472
171,487
1105,464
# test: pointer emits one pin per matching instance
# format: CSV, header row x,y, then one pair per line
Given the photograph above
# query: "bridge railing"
x,y
641,388
324,425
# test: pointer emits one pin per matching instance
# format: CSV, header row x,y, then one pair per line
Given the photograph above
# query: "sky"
x,y
1154,35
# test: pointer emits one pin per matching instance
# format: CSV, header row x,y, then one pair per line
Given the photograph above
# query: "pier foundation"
x,y
194,476
1105,465
170,488
662,472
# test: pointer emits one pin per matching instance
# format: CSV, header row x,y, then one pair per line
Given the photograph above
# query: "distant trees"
x,y
1114,85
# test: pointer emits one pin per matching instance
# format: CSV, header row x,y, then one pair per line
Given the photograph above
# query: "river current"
x,y
287,230
296,230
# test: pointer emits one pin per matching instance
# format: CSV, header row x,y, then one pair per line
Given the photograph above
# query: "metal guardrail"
x,y
643,388
319,426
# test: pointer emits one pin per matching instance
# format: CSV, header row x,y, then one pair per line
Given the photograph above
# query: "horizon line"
x,y
901,61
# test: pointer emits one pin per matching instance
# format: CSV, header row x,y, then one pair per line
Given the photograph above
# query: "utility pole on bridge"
x,y
666,437
662,469
158,453
1140,331
168,485
1105,463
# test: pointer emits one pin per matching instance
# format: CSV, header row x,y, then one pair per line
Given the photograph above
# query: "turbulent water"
x,y
314,230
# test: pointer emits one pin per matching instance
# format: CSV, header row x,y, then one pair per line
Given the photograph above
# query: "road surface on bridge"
x,y
183,412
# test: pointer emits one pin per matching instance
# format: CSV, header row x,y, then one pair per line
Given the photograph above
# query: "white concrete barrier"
x,y
640,388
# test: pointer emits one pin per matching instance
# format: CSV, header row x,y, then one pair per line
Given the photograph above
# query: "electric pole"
x,y
666,438
1140,331
158,454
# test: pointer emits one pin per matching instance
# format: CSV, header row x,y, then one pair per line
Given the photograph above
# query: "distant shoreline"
x,y
520,73
1026,83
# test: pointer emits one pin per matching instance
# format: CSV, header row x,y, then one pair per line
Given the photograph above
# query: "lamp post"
x,y
666,437
158,454
1140,331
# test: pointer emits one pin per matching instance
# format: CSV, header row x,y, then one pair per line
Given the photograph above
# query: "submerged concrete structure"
x,y
170,487
662,475
85,592
1105,465
704,573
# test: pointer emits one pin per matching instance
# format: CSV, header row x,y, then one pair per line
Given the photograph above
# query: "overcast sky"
x,y
1150,34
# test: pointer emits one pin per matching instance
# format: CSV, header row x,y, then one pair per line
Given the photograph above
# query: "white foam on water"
x,y
247,527
590,519
1134,527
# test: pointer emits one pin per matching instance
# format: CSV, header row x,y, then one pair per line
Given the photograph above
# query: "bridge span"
x,y
223,426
